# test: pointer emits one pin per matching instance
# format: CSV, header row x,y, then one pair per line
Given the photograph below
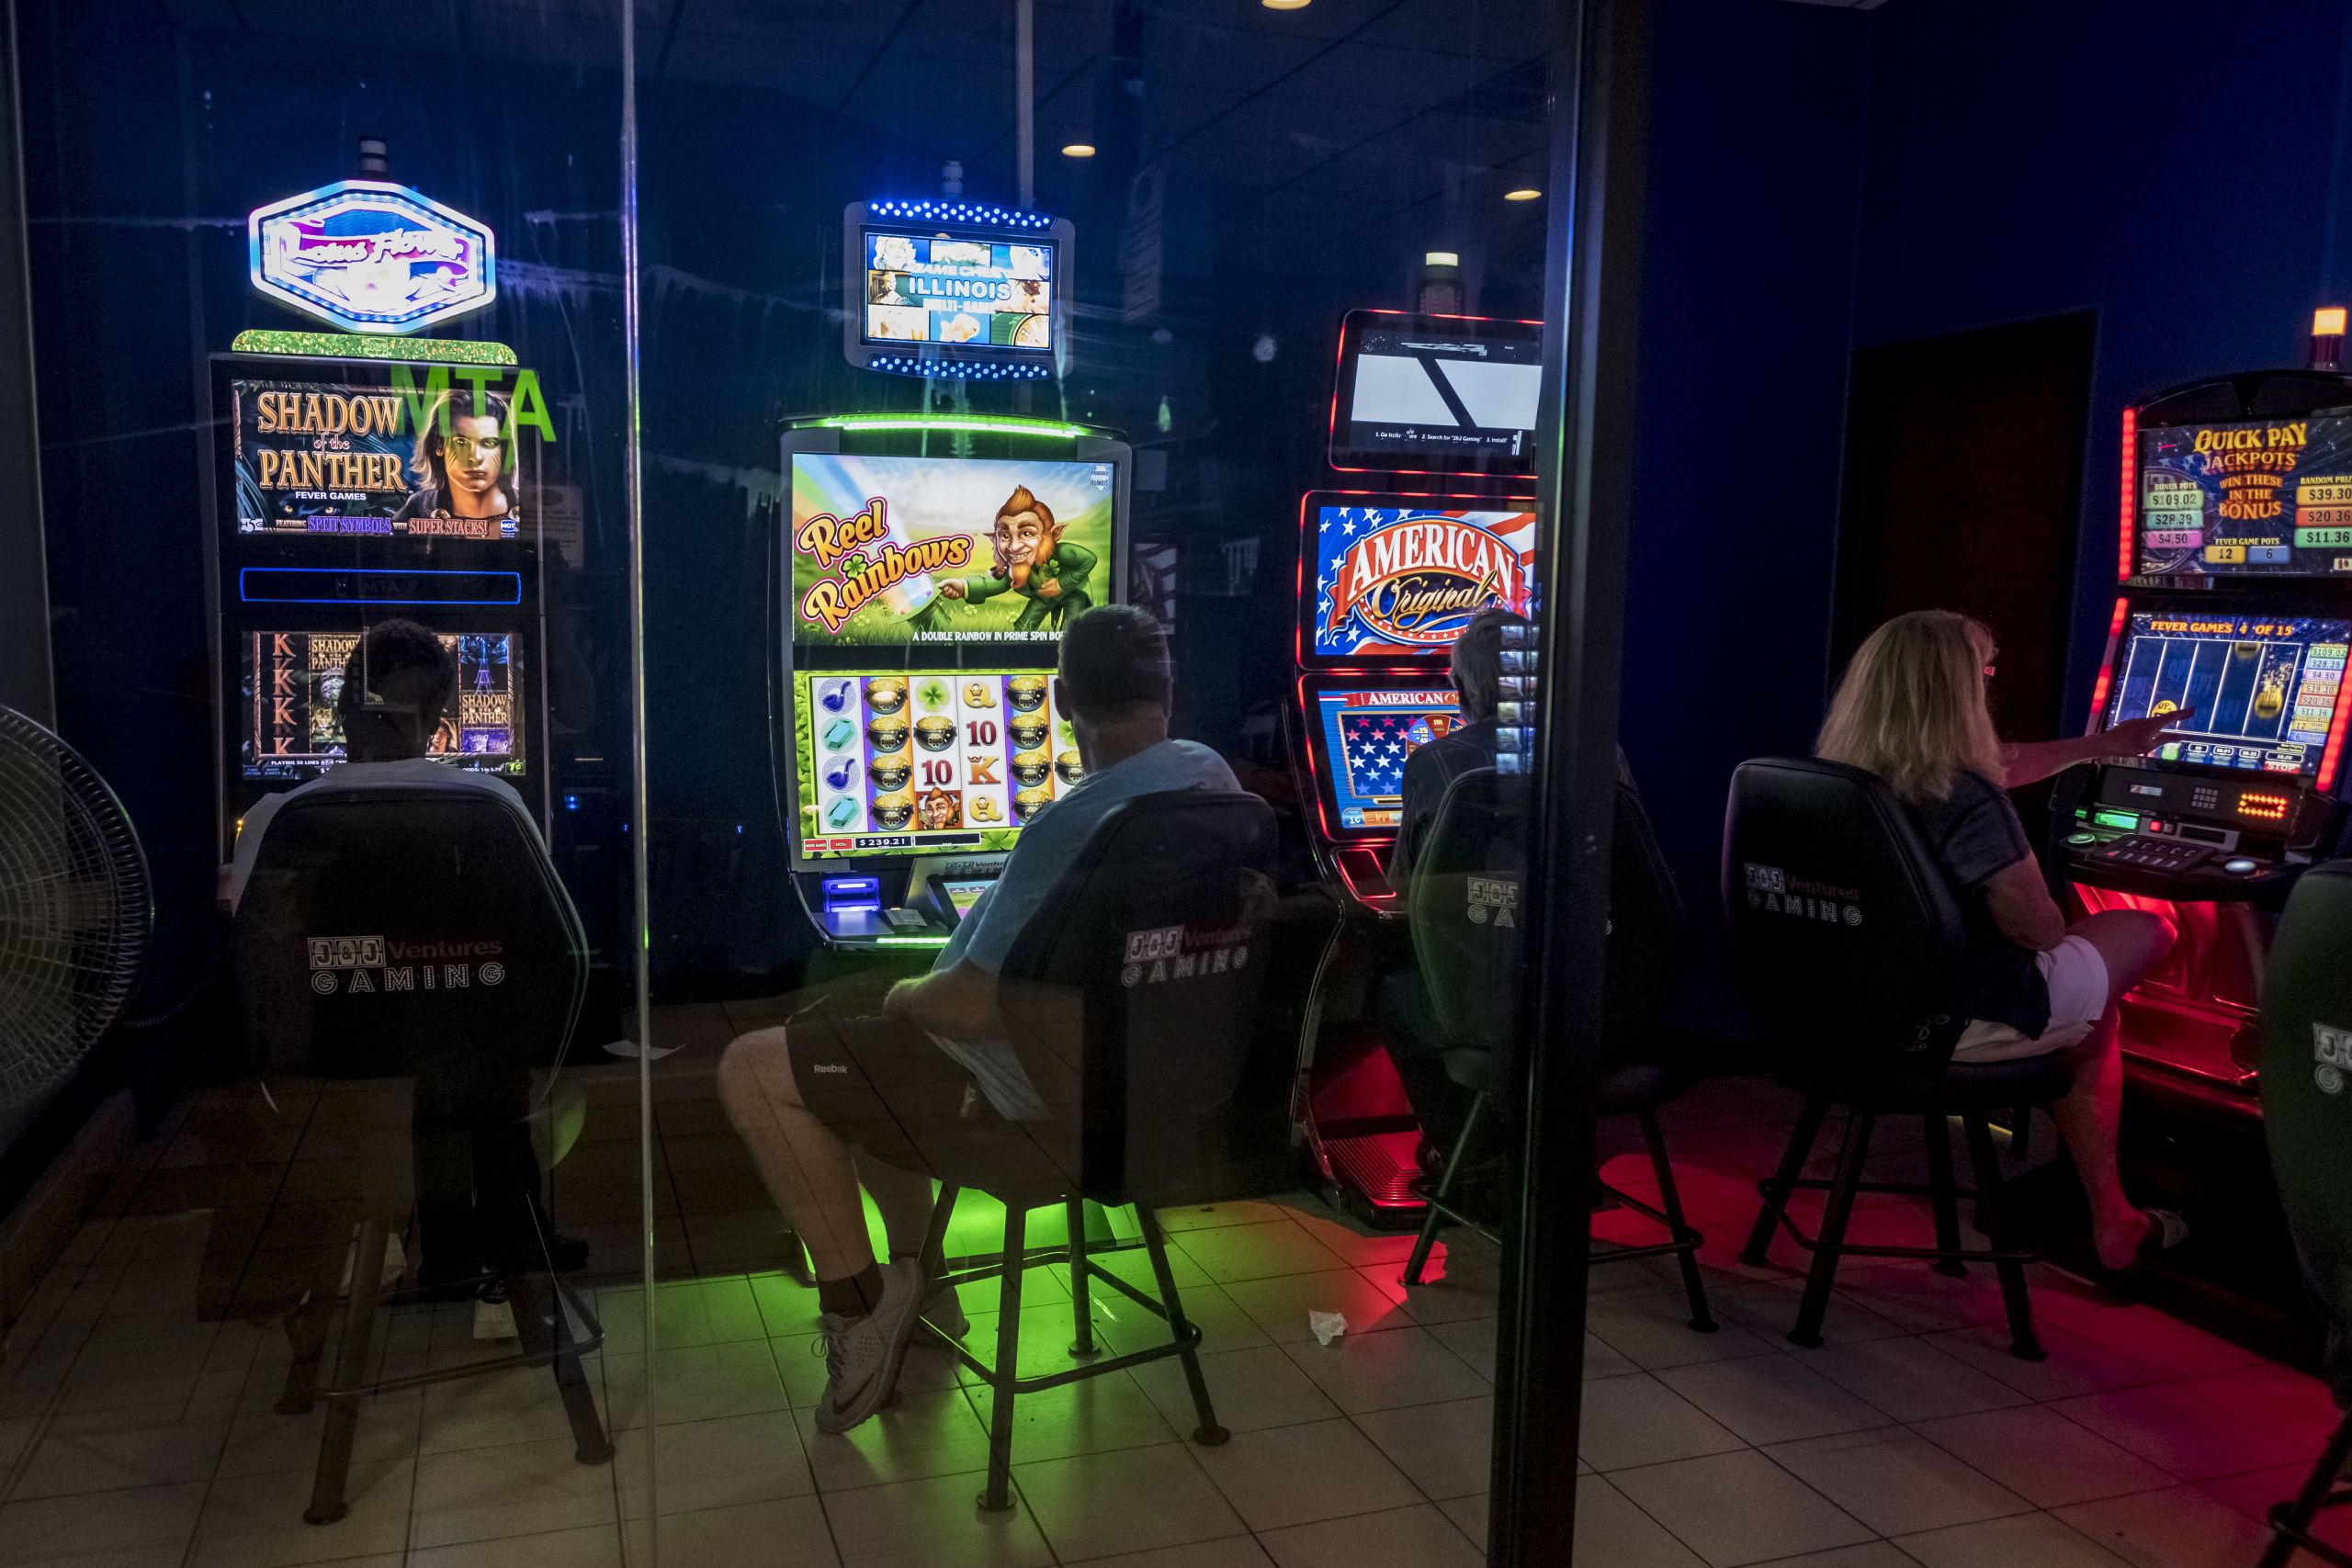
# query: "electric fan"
x,y
74,912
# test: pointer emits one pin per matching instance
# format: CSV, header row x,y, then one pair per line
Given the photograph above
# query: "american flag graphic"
x,y
1374,746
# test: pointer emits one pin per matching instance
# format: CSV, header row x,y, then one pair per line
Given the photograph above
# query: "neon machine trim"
x,y
1387,578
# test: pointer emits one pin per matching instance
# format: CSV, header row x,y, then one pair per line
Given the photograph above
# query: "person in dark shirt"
x,y
1912,709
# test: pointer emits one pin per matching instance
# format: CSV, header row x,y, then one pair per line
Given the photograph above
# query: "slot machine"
x,y
368,473
1387,578
924,572
2235,608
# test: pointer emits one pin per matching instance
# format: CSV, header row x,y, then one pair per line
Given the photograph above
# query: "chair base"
x,y
2291,1522
1683,1242
539,1320
1002,1375
1829,1244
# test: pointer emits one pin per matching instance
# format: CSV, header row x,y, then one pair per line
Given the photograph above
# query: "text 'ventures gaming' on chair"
x,y
1845,940
411,945
1131,1001
2307,1118
1468,926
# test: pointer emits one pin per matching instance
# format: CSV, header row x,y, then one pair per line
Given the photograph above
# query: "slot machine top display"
x,y
2235,610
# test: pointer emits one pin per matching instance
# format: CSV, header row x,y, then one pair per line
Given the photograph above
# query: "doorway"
x,y
1963,490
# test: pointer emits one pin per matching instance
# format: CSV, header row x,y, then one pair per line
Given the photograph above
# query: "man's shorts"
x,y
2077,975
885,1085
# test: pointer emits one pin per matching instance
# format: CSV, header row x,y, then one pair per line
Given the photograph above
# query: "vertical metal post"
x,y
1024,94
632,345
1585,462
25,671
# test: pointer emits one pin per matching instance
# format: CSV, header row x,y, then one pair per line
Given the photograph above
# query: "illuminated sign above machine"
x,y
956,289
372,257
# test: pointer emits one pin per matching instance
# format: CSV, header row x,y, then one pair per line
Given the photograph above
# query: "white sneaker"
x,y
862,1354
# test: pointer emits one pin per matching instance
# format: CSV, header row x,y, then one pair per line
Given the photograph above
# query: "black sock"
x,y
852,1297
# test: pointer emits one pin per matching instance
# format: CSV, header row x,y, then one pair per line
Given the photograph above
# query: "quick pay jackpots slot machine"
x,y
922,593
2235,613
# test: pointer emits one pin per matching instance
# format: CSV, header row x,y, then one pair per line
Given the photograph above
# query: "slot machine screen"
x,y
2246,498
987,292
955,553
1436,394
2265,691
326,461
1396,578
907,763
1362,738
293,679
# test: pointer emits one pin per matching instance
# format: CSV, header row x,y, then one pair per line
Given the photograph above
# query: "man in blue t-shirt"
x,y
821,1113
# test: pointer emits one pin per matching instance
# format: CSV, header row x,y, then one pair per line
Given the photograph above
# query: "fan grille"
x,y
75,909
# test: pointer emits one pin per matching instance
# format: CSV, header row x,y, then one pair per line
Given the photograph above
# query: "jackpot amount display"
x,y
2246,498
914,762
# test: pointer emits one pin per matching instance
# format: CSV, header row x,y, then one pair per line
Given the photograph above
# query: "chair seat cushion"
x,y
1958,1087
1635,1086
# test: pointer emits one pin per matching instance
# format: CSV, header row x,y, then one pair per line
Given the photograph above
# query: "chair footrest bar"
x,y
1804,1239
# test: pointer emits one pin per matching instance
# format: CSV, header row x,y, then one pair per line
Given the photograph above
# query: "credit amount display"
x,y
915,762
1366,737
2246,498
2260,693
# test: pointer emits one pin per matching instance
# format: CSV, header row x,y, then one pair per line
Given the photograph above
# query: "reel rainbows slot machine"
x,y
921,596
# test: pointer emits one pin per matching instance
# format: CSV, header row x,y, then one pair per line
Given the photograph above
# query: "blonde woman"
x,y
1912,709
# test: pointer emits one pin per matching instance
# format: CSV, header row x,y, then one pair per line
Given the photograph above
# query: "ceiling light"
x,y
1078,150
1283,4
1441,258
1524,193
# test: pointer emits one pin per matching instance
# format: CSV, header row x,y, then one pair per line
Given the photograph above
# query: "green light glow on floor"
x,y
358,345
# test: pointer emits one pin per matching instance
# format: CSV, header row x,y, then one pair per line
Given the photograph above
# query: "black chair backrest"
x,y
406,932
1468,923
1467,919
1134,991
1845,936
2306,1075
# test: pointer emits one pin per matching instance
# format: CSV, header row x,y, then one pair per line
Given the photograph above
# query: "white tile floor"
x,y
134,1434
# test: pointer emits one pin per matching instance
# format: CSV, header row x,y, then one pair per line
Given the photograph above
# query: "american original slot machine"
x,y
1387,578
2234,610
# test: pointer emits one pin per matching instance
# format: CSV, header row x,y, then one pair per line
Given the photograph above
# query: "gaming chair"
x,y
1847,940
417,937
2306,1078
1131,1000
1468,927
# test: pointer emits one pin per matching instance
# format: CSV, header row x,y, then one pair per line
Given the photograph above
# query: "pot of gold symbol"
x,y
936,733
1067,764
1030,767
2270,697
889,773
886,693
1028,733
1028,803
979,694
887,734
893,811
1026,694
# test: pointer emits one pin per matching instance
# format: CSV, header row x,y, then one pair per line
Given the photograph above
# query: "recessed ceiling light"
x,y
1283,4
1524,193
1078,150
